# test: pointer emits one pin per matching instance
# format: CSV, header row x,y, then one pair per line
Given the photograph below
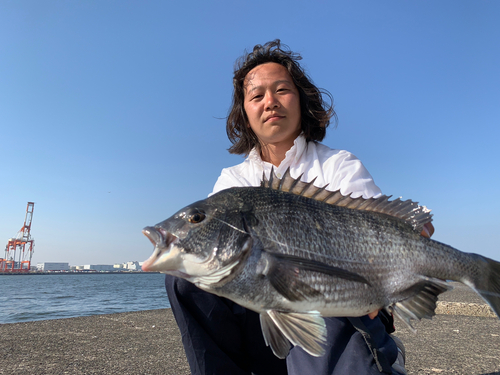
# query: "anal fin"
x,y
422,303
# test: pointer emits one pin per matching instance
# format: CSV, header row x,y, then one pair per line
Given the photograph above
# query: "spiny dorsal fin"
x,y
411,212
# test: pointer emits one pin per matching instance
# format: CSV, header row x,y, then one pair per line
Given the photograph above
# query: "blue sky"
x,y
112,112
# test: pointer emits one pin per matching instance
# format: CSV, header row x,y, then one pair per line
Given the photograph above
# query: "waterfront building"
x,y
133,266
52,266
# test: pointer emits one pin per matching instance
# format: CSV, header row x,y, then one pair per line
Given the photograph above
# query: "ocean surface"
x,y
25,298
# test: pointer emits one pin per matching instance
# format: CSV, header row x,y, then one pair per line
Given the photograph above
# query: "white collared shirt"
x,y
337,168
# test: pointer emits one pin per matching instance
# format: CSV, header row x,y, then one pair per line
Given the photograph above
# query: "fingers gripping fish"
x,y
296,253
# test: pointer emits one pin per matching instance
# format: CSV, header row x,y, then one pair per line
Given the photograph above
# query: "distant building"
x,y
133,266
128,266
99,267
52,266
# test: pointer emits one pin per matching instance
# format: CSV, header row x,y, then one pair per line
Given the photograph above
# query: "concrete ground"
x,y
462,339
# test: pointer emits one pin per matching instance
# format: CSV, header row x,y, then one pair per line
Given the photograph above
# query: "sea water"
x,y
26,298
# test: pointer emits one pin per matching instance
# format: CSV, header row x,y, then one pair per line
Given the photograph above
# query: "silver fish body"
x,y
296,253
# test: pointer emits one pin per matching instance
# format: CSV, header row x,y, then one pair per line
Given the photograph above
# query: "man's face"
x,y
272,104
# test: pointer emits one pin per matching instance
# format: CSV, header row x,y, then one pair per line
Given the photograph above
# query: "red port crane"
x,y
19,250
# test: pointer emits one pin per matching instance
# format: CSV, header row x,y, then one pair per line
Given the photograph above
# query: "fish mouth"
x,y
164,242
158,236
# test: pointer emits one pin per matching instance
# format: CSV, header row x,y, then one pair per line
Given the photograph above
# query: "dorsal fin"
x,y
409,211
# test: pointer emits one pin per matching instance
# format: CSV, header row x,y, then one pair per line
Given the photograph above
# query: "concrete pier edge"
x,y
463,308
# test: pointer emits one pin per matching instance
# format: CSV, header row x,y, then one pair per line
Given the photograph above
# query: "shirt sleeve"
x,y
350,176
229,178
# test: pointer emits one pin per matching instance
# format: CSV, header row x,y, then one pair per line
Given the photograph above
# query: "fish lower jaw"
x,y
165,260
177,273
172,272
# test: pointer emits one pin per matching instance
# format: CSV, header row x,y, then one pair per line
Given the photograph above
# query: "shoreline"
x,y
82,272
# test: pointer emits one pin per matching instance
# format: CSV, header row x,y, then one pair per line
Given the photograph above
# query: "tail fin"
x,y
487,283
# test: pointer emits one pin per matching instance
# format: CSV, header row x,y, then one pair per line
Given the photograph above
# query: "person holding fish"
x,y
277,119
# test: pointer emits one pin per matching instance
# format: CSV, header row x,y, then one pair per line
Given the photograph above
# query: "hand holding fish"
x,y
427,230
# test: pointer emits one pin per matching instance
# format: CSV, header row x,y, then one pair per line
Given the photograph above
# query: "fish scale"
x,y
296,253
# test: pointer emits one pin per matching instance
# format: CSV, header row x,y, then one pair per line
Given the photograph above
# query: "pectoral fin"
x,y
284,273
307,330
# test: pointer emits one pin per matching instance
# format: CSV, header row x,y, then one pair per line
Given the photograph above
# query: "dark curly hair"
x,y
315,113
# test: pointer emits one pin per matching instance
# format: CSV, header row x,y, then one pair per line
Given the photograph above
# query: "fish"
x,y
296,253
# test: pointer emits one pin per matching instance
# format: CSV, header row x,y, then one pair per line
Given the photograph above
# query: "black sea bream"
x,y
296,253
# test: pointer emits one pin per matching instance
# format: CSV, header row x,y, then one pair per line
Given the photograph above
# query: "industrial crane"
x,y
19,249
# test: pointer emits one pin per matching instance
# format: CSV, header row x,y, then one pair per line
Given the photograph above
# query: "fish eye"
x,y
197,217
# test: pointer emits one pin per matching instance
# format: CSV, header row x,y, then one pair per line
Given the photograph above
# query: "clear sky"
x,y
112,112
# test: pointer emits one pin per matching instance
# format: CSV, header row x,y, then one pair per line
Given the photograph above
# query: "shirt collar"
x,y
296,151
294,154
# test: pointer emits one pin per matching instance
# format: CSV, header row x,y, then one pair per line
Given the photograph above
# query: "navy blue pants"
x,y
220,337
